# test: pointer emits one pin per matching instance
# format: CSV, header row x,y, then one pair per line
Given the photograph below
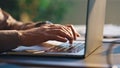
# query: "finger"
x,y
68,30
70,41
61,33
75,33
64,29
78,35
58,38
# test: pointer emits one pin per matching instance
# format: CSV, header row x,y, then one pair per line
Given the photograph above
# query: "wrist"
x,y
21,37
40,23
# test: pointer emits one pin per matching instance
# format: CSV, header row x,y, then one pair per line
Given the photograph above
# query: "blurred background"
x,y
62,12
57,11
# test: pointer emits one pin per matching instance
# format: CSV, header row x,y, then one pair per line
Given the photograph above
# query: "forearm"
x,y
7,22
9,39
21,26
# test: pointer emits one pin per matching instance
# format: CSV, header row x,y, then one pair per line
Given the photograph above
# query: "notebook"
x,y
80,48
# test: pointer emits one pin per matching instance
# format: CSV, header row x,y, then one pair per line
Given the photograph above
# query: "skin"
x,y
47,32
30,35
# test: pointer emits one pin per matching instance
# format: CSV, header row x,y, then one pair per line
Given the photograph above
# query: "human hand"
x,y
48,32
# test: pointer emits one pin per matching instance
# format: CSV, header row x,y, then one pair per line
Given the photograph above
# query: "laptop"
x,y
80,48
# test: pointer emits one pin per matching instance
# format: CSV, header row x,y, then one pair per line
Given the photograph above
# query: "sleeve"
x,y
9,39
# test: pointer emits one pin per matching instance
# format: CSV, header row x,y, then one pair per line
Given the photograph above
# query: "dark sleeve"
x,y
9,39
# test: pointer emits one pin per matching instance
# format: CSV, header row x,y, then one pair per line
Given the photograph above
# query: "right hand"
x,y
47,32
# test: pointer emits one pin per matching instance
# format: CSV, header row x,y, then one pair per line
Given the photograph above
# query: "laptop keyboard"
x,y
76,47
67,48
